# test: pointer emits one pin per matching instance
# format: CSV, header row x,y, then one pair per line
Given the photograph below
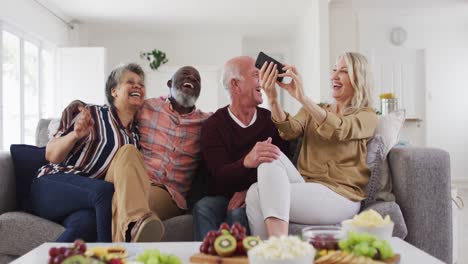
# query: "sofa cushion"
x,y
389,127
179,228
26,161
21,232
7,258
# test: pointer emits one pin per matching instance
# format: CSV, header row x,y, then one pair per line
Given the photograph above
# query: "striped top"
x,y
91,156
170,143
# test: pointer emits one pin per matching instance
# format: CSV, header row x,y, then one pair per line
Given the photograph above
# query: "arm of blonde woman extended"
x,y
295,89
59,148
267,75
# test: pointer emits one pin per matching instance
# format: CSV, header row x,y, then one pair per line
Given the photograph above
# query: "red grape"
x,y
62,250
204,248
81,248
53,251
224,226
58,259
68,253
240,248
211,250
211,234
234,232
243,230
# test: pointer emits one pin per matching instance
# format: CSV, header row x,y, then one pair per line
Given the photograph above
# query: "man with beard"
x,y
170,142
235,140
170,131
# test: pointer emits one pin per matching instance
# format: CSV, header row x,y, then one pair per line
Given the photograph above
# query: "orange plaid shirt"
x,y
170,143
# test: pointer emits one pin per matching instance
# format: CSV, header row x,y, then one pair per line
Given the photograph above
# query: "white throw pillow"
x,y
53,127
389,127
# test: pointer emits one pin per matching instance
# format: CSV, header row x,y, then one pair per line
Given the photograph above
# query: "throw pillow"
x,y
26,161
389,128
375,159
385,138
53,127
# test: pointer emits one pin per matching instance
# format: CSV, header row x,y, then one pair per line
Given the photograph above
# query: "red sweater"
x,y
224,145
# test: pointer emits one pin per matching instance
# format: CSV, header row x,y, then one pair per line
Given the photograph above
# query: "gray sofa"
x,y
421,184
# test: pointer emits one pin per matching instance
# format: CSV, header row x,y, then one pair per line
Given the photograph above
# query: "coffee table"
x,y
409,254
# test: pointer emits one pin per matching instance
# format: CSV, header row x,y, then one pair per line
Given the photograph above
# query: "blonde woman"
x,y
331,173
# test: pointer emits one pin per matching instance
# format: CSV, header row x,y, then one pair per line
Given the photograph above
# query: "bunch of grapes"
x,y
236,230
150,256
324,241
364,244
57,255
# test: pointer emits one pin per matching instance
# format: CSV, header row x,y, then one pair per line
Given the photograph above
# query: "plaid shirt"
x,y
170,143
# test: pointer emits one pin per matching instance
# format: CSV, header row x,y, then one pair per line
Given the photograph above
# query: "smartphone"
x,y
262,58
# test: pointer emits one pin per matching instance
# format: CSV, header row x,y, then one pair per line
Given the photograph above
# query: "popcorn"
x,y
284,247
370,218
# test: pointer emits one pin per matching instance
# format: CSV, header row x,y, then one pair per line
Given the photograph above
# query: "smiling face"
x,y
249,90
185,86
342,89
129,92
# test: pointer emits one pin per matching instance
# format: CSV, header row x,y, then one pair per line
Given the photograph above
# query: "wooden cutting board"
x,y
208,259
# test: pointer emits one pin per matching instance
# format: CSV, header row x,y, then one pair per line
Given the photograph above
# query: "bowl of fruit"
x,y
322,237
370,222
282,250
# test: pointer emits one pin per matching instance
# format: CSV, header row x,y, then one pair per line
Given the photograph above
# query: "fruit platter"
x,y
228,245
323,245
79,253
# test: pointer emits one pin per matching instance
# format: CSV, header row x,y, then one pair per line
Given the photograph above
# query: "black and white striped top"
x,y
92,155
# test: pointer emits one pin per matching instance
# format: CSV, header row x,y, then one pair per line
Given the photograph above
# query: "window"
x,y
26,81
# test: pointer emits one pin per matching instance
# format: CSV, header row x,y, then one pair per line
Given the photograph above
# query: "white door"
x,y
402,72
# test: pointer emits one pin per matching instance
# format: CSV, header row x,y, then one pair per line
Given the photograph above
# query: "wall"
x,y
306,52
443,34
208,51
33,19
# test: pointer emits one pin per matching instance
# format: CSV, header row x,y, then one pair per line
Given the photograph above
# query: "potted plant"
x,y
155,57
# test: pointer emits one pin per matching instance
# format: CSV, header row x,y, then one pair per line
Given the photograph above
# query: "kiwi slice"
x,y
250,242
225,245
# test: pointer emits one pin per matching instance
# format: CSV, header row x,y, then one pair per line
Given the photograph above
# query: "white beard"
x,y
184,100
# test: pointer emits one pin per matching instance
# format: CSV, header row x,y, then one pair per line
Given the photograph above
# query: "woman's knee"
x,y
127,150
252,198
105,191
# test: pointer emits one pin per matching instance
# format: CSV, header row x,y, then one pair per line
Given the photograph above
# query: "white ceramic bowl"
x,y
381,232
255,259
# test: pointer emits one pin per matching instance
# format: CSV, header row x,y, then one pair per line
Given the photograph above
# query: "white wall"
x,y
310,40
31,18
443,34
205,51
208,50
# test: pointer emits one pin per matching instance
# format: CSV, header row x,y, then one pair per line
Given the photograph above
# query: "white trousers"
x,y
281,192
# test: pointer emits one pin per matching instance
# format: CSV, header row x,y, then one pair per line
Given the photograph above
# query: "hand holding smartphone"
x,y
262,58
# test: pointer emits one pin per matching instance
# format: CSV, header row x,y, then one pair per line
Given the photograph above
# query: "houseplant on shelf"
x,y
155,57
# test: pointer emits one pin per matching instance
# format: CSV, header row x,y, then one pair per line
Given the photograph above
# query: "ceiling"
x,y
166,15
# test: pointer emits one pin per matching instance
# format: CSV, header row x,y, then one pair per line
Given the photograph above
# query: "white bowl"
x,y
255,259
381,232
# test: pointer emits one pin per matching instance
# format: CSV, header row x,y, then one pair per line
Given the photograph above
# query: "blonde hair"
x,y
361,79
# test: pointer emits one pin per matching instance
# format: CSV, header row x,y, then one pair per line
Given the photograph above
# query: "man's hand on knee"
x,y
263,151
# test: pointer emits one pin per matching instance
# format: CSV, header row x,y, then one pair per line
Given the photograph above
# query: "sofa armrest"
x,y
7,183
421,184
